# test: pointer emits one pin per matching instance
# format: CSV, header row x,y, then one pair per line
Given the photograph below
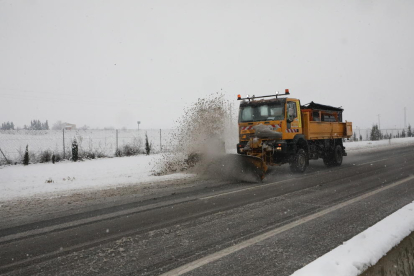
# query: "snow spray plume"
x,y
203,130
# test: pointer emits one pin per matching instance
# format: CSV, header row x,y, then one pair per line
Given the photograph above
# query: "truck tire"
x,y
299,164
334,158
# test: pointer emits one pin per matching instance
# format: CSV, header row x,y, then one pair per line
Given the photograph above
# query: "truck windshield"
x,y
271,112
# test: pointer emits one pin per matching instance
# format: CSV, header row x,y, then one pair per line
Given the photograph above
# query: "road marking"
x,y
373,162
74,223
237,247
319,173
240,190
264,185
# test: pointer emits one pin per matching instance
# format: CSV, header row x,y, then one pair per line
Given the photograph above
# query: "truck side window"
x,y
316,116
247,114
292,105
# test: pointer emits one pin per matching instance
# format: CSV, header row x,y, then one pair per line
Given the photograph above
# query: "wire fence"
x,y
100,142
103,143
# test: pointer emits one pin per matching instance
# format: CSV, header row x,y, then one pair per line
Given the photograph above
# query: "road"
x,y
211,226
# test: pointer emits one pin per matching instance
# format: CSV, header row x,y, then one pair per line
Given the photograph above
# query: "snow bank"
x,y
365,249
50,179
382,144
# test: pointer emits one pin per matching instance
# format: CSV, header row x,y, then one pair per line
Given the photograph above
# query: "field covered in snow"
x,y
104,142
50,180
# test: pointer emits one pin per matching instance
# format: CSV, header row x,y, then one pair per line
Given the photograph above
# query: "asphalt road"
x,y
216,227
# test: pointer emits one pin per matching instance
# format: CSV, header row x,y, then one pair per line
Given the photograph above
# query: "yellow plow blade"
x,y
259,166
236,166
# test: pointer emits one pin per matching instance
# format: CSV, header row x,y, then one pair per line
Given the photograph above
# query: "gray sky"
x,y
112,63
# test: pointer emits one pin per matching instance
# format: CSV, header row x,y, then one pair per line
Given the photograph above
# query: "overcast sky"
x,y
112,63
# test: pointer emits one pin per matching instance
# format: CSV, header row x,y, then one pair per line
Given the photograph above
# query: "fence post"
x,y
5,157
116,142
64,155
160,142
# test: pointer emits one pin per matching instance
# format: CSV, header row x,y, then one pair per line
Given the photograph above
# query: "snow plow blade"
x,y
241,167
254,163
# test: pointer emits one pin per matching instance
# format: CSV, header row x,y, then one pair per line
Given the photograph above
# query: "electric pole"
x,y
405,117
379,122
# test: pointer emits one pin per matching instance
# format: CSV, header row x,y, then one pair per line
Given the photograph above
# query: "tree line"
x,y
376,134
34,125
7,126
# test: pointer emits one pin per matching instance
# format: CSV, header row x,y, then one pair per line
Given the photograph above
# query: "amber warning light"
x,y
287,91
239,97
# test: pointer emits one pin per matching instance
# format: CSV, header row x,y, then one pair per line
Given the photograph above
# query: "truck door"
x,y
294,122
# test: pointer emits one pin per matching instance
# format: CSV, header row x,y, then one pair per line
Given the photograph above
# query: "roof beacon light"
x,y
253,97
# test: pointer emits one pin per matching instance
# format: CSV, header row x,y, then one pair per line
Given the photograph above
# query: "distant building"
x,y
68,126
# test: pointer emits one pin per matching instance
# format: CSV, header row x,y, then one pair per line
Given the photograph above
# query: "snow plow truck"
x,y
277,129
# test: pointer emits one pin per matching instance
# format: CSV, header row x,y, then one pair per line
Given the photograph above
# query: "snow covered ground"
x,y
50,180
382,144
65,178
363,250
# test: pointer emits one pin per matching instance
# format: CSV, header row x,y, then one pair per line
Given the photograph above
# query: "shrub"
x,y
45,156
100,154
148,145
26,156
75,156
58,157
128,150
89,154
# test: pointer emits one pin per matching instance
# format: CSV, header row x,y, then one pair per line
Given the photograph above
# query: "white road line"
x,y
240,190
232,249
79,222
372,162
268,184
259,186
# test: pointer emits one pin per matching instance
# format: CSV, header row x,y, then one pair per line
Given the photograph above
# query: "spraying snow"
x,y
204,132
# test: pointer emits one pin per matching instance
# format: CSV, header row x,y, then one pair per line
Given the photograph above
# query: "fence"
x,y
102,142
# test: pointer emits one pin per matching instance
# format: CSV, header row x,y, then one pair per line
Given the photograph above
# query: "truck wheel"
x,y
327,161
334,158
299,164
337,156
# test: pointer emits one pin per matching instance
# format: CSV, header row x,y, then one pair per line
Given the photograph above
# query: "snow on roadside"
x,y
365,249
381,144
48,180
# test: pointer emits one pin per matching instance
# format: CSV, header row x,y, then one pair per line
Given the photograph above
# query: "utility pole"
x,y
359,132
63,143
405,117
379,122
